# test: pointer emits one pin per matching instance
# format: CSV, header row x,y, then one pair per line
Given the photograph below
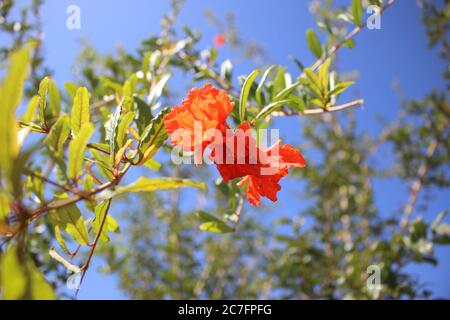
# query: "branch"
x,y
85,267
348,37
416,186
69,201
309,112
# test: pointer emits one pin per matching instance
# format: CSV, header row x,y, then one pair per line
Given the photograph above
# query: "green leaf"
x,y
350,43
152,164
261,84
21,279
31,109
54,98
101,212
143,114
313,43
122,129
244,94
213,224
341,87
312,82
323,74
40,289
76,150
102,161
129,87
13,277
11,91
357,11
70,220
271,107
71,89
80,110
111,130
154,135
58,135
286,91
60,240
43,89
149,185
5,200
113,226
437,221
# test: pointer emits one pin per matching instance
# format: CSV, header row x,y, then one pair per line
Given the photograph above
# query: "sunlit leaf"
x,y
10,96
213,224
245,92
80,110
154,184
76,150
58,135
313,43
43,89
69,219
100,223
357,11
13,277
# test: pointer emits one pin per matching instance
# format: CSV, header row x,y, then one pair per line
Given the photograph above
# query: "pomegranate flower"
x,y
261,169
204,109
235,154
219,40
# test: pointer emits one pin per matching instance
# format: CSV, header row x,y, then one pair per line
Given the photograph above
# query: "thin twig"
x,y
416,186
69,201
348,37
85,267
309,112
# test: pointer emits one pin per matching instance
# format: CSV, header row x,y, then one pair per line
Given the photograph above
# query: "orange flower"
x,y
219,40
261,169
205,108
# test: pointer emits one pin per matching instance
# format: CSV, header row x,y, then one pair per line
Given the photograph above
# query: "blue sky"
x,y
396,52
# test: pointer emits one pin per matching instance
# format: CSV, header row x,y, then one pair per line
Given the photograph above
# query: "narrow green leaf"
x,y
244,94
11,91
71,89
153,164
143,114
111,131
54,98
80,110
102,161
286,91
40,289
76,150
113,226
31,109
59,238
261,84
122,129
58,135
43,89
341,87
271,107
155,134
149,185
101,212
5,200
70,220
313,43
129,87
13,276
213,224
357,11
